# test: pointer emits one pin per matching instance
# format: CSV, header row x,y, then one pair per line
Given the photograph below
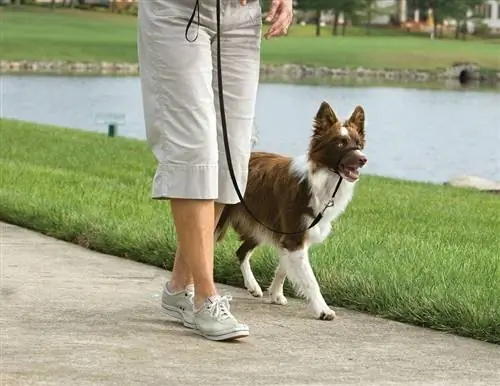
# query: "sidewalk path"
x,y
70,316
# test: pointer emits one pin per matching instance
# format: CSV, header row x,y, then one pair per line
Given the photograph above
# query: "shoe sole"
x,y
229,336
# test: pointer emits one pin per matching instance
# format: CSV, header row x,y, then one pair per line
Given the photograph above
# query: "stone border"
x,y
462,72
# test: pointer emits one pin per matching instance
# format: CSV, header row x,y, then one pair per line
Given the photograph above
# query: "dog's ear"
x,y
358,119
325,118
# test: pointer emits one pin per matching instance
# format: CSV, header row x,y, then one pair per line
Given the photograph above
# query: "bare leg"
x,y
218,212
181,275
194,223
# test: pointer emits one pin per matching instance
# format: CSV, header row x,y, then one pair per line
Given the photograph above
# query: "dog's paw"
x,y
254,288
256,292
278,299
326,314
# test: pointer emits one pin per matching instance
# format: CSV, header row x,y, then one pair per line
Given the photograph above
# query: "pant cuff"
x,y
190,182
227,193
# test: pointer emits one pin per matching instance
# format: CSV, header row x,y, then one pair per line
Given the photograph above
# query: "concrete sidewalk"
x,y
70,316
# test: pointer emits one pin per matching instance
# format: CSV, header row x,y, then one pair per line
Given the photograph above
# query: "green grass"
x,y
413,252
37,33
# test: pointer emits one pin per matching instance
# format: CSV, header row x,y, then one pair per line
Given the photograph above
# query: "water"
x,y
423,135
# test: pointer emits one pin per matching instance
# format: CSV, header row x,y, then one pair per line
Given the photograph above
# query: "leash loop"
x,y
196,10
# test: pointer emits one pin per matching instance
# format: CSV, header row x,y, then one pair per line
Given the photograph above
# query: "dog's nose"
x,y
363,160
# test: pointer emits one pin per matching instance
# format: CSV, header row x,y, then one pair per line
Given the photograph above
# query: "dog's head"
x,y
338,146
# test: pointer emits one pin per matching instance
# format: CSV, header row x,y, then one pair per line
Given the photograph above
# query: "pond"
x,y
414,134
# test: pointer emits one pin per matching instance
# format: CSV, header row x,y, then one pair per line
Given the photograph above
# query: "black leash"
x,y
330,203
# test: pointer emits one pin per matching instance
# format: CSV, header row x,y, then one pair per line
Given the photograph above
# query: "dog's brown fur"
x,y
288,200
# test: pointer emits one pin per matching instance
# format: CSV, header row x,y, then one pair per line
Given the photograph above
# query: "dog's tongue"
x,y
352,173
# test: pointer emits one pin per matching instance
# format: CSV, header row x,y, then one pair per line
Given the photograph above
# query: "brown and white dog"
x,y
287,194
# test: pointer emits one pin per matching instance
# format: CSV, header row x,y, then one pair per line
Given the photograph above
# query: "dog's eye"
x,y
342,142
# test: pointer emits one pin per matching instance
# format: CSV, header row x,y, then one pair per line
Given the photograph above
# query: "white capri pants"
x,y
180,94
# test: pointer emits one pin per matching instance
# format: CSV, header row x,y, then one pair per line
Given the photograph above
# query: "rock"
x,y
464,72
474,182
323,71
459,72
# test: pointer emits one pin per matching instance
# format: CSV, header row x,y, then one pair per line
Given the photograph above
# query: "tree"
x,y
359,11
460,13
315,5
371,8
349,8
369,14
442,9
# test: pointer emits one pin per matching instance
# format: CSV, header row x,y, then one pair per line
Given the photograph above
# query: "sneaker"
x,y
214,320
179,305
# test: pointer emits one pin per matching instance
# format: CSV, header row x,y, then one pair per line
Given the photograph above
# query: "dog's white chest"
x,y
323,187
323,183
320,232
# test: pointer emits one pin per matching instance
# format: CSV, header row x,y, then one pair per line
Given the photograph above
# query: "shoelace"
x,y
219,309
196,11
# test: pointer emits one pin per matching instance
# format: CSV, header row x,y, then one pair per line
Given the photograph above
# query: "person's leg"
x,y
240,55
194,222
181,129
182,277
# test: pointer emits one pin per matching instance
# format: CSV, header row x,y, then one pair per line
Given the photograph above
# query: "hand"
x,y
281,15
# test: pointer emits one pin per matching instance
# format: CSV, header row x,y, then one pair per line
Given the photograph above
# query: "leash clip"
x,y
331,203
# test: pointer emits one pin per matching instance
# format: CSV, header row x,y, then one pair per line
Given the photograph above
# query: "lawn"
x,y
413,252
40,34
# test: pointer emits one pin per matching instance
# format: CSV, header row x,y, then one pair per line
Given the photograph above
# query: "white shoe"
x,y
214,320
179,305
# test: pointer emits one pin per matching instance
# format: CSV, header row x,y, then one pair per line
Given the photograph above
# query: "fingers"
x,y
271,15
281,15
280,26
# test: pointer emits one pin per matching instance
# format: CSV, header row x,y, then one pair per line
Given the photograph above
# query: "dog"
x,y
287,194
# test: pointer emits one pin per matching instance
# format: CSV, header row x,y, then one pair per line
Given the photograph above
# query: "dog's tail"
x,y
222,224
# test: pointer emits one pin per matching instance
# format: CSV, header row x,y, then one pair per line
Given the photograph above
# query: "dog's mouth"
x,y
350,173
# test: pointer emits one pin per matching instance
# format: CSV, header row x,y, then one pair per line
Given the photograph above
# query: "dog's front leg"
x,y
300,272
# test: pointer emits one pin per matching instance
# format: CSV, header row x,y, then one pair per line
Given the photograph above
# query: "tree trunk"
x,y
344,26
435,26
369,21
335,23
52,4
318,22
463,29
